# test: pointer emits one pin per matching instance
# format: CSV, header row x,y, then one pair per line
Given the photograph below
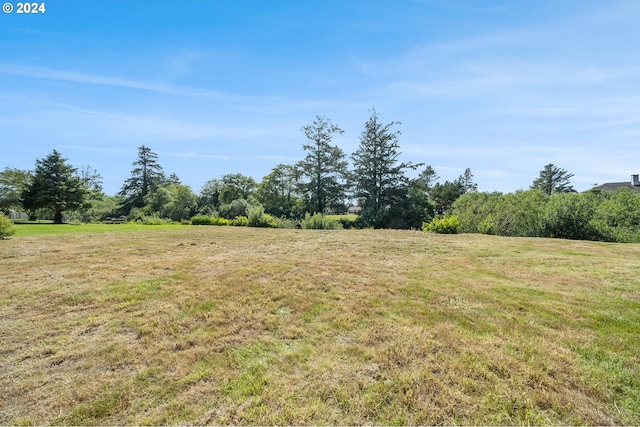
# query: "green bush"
x,y
320,222
207,220
475,212
240,221
257,218
7,227
286,223
154,220
617,215
347,221
220,221
201,220
238,207
443,225
612,216
513,214
568,216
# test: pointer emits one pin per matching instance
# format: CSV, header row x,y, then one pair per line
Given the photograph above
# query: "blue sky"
x,y
222,86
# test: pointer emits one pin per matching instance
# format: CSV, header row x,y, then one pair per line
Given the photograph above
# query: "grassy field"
x,y
179,324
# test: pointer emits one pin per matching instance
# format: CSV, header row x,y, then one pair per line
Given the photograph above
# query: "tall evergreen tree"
x,y
379,177
173,179
55,186
467,181
146,176
553,180
324,166
445,194
427,179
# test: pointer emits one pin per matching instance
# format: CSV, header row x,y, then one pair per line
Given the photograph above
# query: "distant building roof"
x,y
354,209
612,186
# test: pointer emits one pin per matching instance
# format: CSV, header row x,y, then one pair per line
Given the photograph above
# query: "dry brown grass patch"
x,y
226,325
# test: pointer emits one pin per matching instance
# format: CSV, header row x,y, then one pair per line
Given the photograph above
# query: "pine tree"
x,y
324,166
427,179
553,180
378,175
146,176
55,186
467,181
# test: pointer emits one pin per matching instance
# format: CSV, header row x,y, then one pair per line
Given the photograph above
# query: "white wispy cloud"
x,y
144,85
192,155
111,150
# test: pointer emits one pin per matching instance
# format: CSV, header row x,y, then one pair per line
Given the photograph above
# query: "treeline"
x,y
320,183
302,194
611,216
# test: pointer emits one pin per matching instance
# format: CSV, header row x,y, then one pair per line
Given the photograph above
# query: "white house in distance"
x,y
354,210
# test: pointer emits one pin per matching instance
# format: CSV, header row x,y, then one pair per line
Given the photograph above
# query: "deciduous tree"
x,y
278,191
209,197
173,201
13,182
236,186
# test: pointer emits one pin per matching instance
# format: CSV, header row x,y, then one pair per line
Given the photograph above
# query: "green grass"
x,y
339,217
48,228
134,324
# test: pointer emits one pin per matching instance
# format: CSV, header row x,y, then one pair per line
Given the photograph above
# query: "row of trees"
x,y
320,183
612,216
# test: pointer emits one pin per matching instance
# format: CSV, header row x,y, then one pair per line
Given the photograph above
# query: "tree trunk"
x,y
57,218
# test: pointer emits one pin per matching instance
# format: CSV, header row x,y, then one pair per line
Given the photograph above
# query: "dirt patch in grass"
x,y
234,325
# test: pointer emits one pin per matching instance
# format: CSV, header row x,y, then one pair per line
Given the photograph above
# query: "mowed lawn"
x,y
231,325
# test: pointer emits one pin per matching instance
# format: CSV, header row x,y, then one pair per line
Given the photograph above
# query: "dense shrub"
x,y
239,207
518,214
514,214
473,210
568,216
318,221
410,208
617,215
220,221
154,220
286,223
257,218
612,216
174,201
201,220
207,220
240,221
7,227
348,223
444,225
